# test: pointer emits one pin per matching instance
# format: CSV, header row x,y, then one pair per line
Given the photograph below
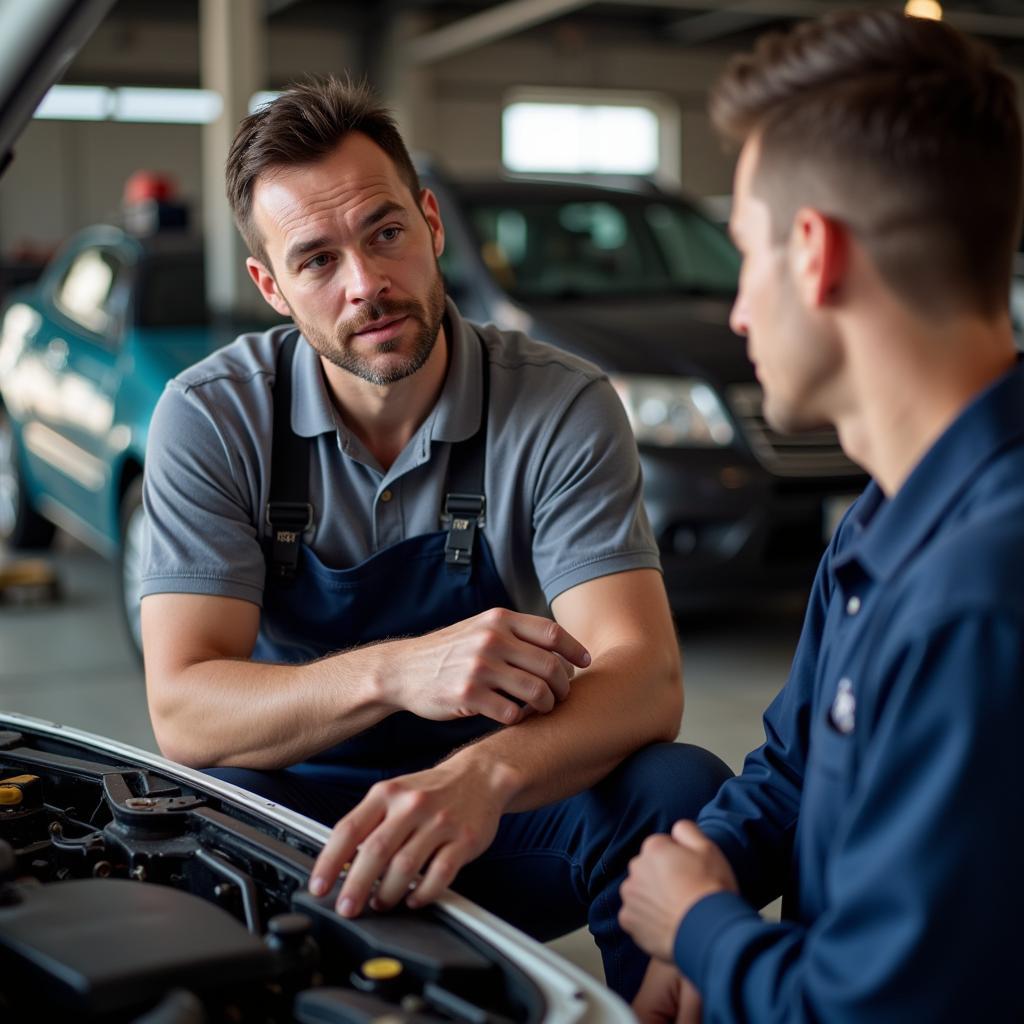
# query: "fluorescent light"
x,y
167,106
261,99
152,106
76,103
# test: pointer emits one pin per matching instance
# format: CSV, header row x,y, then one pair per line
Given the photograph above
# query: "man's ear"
x,y
264,281
819,256
432,215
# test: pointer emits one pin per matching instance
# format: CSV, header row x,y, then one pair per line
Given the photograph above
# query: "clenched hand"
x,y
488,665
666,997
668,877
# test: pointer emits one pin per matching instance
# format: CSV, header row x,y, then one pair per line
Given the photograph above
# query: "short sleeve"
x,y
589,518
199,502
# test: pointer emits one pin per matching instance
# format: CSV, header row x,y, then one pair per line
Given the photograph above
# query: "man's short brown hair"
x,y
903,129
301,126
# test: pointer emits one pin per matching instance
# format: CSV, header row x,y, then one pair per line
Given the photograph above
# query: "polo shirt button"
x,y
853,605
385,496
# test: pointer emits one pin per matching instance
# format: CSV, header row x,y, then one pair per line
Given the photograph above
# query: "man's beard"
x,y
338,350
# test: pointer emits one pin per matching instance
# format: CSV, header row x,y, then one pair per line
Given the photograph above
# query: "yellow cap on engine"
x,y
12,790
382,968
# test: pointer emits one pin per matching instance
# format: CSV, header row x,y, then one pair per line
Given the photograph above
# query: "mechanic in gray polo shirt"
x,y
399,573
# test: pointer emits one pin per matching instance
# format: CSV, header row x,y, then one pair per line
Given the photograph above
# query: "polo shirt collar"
x,y
456,415
312,409
888,532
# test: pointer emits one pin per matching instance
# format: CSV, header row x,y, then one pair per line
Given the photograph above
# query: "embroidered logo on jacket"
x,y
844,708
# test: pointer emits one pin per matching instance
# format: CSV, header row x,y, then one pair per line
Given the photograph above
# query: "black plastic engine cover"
x,y
433,951
98,945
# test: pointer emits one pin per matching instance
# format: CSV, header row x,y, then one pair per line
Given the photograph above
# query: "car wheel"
x,y
129,563
20,525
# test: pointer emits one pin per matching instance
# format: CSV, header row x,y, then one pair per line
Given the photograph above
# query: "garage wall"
x,y
67,175
469,92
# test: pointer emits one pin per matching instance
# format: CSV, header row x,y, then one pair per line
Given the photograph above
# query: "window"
x,y
574,138
563,248
88,292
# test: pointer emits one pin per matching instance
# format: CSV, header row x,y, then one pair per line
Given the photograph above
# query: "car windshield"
x,y
547,248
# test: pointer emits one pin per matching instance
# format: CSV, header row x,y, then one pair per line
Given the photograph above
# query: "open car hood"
x,y
133,889
38,40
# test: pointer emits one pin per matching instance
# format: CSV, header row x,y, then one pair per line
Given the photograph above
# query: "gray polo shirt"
x,y
563,484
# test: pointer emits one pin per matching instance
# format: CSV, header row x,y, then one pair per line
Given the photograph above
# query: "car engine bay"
x,y
127,895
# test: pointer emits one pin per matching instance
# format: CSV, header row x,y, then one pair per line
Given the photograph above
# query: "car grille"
x,y
809,453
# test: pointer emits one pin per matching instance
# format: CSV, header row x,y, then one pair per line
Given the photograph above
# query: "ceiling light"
x,y
76,103
152,106
167,106
930,9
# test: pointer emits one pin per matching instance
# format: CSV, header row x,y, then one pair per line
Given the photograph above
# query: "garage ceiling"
x,y
691,20
451,27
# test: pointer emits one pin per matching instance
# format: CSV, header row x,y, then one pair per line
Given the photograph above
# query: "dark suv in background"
x,y
641,283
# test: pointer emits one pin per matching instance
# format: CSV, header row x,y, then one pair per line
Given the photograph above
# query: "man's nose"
x,y
367,281
738,319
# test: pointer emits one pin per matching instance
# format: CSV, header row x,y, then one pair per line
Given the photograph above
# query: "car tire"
x,y
129,562
21,526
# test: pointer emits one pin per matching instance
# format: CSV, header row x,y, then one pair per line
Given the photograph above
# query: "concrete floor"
x,y
70,662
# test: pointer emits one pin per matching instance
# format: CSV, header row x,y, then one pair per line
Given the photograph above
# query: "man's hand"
x,y
666,997
444,816
487,665
668,877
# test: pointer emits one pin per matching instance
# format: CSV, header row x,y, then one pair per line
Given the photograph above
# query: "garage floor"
x,y
70,663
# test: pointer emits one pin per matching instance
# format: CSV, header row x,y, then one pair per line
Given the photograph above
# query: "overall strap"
x,y
464,502
289,512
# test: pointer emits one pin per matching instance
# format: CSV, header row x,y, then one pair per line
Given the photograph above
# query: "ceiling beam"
x,y
1006,26
766,9
272,7
705,28
712,21
488,26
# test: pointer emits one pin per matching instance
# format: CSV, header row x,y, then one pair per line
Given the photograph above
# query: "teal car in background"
x,y
84,356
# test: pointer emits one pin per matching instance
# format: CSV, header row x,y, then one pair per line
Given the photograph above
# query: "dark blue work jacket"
x,y
885,804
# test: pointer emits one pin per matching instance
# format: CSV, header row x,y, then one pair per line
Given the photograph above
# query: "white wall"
x,y
469,91
67,174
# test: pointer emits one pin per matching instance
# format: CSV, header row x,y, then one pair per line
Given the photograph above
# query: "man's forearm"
x,y
211,709
254,715
630,697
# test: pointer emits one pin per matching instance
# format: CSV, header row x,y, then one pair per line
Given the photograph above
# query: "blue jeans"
x,y
554,869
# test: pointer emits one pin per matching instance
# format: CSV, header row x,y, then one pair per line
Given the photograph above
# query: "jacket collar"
x,y
887,533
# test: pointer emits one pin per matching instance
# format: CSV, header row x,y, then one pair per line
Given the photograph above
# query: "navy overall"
x,y
549,871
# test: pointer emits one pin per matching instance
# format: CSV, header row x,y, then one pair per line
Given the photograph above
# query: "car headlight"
x,y
674,412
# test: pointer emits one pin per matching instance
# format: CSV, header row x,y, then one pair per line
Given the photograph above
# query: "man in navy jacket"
x,y
877,207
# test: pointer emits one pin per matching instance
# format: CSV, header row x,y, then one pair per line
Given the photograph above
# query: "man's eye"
x,y
318,262
390,234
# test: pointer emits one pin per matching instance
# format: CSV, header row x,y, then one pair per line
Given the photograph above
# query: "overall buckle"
x,y
463,514
288,520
